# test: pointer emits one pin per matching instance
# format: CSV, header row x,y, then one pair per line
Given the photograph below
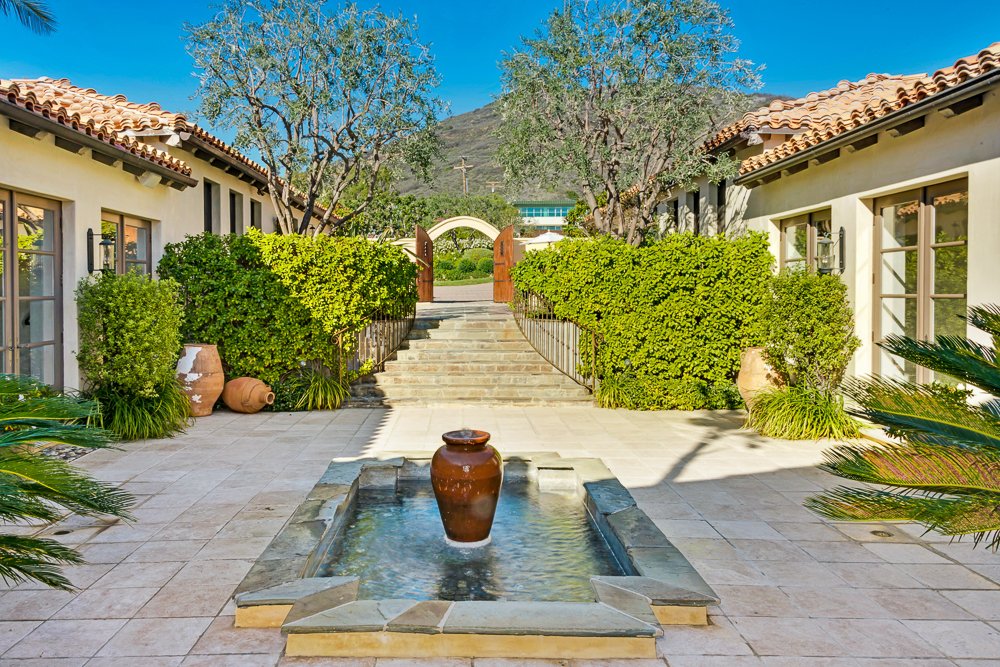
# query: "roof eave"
x,y
949,97
131,163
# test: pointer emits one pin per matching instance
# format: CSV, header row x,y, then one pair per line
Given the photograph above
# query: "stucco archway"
x,y
466,221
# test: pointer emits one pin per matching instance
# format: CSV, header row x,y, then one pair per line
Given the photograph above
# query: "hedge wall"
x,y
673,316
272,303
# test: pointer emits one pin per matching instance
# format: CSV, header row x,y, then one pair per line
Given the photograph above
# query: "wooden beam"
x,y
825,157
862,143
133,169
770,178
960,107
27,130
903,129
794,168
70,146
103,158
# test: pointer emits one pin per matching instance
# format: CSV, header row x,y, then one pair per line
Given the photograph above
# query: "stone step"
x,y
494,392
466,334
404,378
537,401
466,345
487,365
485,325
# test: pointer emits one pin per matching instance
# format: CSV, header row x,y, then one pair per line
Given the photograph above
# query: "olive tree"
x,y
623,94
329,100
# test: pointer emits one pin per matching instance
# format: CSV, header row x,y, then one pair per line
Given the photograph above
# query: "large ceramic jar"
x,y
199,371
247,395
755,375
466,474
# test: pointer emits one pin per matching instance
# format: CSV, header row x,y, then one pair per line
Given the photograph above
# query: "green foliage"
x,y
443,265
622,95
272,302
800,412
34,486
485,265
329,100
943,471
322,390
466,265
672,317
32,14
129,342
810,329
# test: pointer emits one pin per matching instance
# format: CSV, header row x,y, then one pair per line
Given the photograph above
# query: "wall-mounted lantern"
x,y
105,249
830,252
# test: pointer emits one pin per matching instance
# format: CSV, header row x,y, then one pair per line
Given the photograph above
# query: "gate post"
x,y
425,265
503,261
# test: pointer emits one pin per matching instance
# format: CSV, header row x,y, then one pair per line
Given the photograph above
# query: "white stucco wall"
x,y
85,187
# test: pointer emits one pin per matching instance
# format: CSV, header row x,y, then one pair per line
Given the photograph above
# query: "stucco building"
x,y
91,182
896,177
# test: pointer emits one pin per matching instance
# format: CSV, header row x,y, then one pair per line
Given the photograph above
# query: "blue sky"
x,y
805,46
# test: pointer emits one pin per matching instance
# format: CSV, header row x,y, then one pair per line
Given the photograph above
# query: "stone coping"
x,y
660,585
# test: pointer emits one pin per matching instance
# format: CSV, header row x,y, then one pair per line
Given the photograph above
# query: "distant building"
x,y
545,216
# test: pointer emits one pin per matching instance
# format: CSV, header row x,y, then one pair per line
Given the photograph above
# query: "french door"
x,y
921,273
31,287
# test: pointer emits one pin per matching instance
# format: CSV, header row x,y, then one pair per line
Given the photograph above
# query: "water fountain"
x,y
466,474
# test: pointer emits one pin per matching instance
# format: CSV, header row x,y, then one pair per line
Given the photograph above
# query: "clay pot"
x,y
466,474
247,395
755,375
199,371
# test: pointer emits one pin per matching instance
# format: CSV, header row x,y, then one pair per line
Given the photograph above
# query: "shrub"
x,y
672,317
444,265
809,338
485,265
41,488
273,302
466,265
942,472
646,393
800,412
129,343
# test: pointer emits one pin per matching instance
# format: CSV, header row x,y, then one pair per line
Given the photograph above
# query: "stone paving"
x,y
795,590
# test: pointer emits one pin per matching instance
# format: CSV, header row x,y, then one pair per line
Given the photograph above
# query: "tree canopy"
x,y
623,94
330,100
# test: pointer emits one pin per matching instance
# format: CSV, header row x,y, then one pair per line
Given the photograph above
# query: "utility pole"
x,y
464,168
493,185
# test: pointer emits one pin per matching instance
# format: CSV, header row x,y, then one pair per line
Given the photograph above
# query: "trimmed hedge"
x,y
275,303
672,316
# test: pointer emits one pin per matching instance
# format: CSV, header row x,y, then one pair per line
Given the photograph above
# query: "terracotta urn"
x,y
466,474
199,371
247,395
755,375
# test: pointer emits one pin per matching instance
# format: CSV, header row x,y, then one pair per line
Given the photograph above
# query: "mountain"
x,y
471,134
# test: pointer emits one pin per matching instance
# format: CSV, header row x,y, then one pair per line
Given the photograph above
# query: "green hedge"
x,y
672,316
275,303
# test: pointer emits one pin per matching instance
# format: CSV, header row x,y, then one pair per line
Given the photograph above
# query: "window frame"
x,y
121,221
811,221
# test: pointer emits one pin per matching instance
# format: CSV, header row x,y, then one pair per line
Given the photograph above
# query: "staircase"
x,y
471,354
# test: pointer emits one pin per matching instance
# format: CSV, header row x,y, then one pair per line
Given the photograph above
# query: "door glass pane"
x,y
37,321
951,269
899,225
39,362
136,247
899,272
36,274
948,315
899,317
796,243
951,217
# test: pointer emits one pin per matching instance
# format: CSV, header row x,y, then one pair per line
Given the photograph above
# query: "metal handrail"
x,y
379,339
571,348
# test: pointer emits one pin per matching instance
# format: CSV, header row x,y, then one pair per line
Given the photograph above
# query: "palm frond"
x,y
24,558
56,481
59,434
920,466
986,317
15,505
952,355
34,15
54,408
978,516
921,414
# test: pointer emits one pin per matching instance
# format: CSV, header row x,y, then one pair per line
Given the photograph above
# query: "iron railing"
x,y
571,348
380,338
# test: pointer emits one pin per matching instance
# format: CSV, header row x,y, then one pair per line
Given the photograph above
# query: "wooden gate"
x,y
425,265
503,260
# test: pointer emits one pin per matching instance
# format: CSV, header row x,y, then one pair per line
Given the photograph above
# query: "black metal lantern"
x,y
830,252
107,246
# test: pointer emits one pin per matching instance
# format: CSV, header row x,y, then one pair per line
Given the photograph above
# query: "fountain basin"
x,y
616,579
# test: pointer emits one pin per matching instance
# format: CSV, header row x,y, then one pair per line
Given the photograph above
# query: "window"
x,y
211,206
129,248
256,214
695,196
921,275
799,236
720,205
235,212
675,212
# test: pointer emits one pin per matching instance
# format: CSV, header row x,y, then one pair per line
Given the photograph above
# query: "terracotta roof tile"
x,y
124,116
823,116
29,98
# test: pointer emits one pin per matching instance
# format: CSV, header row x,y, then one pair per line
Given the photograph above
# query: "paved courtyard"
x,y
795,590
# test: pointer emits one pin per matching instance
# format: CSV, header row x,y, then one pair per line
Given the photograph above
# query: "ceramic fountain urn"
x,y
466,474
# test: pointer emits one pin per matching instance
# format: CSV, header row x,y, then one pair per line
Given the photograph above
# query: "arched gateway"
x,y
506,251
